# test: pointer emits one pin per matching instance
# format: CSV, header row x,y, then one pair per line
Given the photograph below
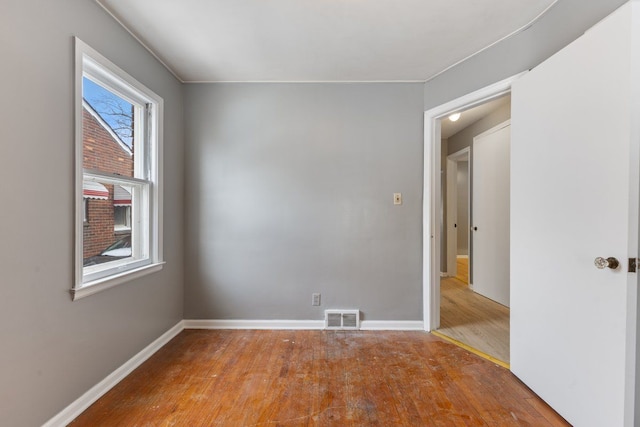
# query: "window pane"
x,y
122,198
108,123
103,240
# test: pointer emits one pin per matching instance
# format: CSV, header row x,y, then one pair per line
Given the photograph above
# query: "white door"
x,y
574,196
490,220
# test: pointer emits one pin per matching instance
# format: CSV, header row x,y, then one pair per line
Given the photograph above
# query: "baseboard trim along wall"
x,y
392,325
69,413
253,324
366,325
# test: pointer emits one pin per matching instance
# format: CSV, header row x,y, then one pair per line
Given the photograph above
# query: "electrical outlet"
x,y
315,299
397,198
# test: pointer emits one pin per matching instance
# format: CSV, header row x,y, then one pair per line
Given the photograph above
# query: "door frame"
x,y
431,238
452,200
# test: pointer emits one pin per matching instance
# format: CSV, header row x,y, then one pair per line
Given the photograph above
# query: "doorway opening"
x,y
456,225
455,307
474,285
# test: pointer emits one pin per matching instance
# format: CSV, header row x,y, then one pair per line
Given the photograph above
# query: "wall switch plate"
x,y
397,198
315,299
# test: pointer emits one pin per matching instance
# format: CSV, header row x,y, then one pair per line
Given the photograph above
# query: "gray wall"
x,y
53,349
290,192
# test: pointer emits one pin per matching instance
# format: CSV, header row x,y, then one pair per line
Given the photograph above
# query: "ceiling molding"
x,y
304,81
518,31
142,43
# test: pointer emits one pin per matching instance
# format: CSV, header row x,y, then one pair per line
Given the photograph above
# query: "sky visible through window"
x,y
117,112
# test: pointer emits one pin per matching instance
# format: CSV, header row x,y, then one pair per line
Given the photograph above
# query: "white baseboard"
x,y
253,324
366,325
69,413
392,325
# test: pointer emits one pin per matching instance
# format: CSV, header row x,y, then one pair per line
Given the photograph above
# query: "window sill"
x,y
105,283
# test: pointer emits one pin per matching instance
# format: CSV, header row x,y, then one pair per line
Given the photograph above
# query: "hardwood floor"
x,y
462,270
473,319
317,378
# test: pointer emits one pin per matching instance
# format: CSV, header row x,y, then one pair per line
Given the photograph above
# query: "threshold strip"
x,y
472,350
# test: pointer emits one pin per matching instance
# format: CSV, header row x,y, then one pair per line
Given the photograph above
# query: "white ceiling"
x,y
319,40
472,115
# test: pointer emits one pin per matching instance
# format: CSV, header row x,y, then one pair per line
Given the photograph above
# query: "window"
x,y
118,148
122,218
122,209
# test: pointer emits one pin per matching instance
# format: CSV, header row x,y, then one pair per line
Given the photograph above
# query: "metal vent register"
x,y
342,319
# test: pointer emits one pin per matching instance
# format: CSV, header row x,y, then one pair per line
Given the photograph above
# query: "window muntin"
x,y
117,168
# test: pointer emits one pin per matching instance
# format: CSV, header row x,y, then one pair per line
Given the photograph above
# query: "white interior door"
x,y
490,222
574,196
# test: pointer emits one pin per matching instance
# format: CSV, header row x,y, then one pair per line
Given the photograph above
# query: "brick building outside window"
x,y
107,208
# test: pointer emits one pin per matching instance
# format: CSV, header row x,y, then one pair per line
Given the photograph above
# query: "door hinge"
x,y
632,265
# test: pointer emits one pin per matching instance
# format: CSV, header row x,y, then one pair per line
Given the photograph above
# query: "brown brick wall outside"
x,y
100,151
98,230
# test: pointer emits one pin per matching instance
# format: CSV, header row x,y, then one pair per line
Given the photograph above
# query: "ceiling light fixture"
x,y
454,117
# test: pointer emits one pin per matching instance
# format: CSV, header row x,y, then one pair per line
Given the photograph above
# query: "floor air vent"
x,y
342,319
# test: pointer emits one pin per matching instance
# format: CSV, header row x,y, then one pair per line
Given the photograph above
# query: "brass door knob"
x,y
603,263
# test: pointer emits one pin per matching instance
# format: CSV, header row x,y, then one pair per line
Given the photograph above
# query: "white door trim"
x,y
431,196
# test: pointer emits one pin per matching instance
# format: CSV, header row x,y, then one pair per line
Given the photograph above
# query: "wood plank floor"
x,y
317,378
462,270
472,319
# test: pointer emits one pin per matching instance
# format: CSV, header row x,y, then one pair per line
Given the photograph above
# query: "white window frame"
x,y
146,210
